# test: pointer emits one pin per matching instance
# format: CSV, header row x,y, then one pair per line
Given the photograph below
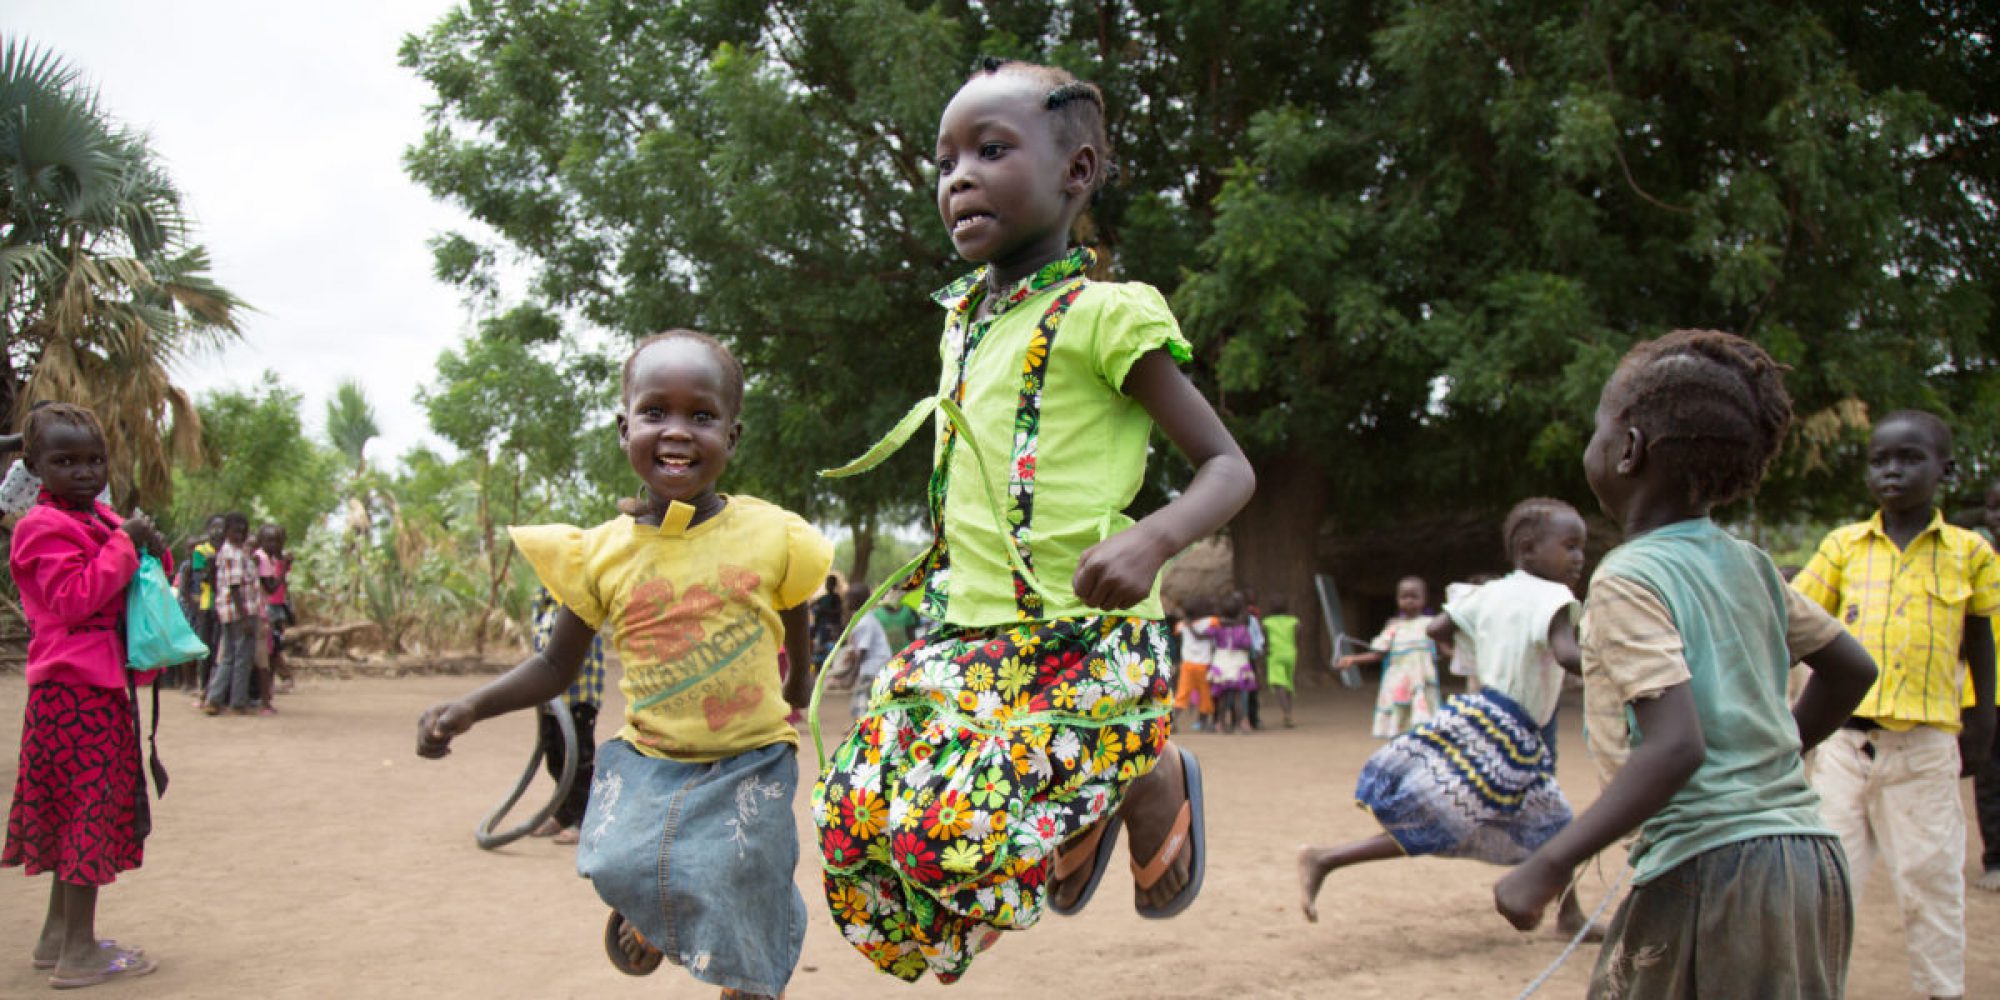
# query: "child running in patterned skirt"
x,y
1409,693
688,834
1478,781
1001,754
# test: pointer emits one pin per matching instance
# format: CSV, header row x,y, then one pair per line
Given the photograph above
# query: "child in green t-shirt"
x,y
1687,639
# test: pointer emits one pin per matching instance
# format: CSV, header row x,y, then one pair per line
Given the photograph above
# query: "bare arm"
x,y
537,679
1563,645
1673,749
798,638
1119,571
1842,673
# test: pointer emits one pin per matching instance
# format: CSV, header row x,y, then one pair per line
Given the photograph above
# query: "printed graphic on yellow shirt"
x,y
682,645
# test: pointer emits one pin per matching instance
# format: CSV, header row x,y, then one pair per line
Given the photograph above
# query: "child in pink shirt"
x,y
79,807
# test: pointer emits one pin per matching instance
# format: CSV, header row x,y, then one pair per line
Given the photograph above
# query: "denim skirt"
x,y
699,857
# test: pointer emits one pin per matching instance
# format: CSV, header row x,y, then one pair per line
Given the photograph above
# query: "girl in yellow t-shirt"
x,y
688,834
1001,754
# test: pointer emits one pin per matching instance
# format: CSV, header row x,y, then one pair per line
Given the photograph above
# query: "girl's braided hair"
x,y
1712,406
44,415
1529,518
1077,104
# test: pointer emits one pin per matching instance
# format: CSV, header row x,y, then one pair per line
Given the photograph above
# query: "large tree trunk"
x,y
862,530
1275,545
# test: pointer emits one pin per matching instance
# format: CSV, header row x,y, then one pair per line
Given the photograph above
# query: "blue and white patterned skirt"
x,y
1474,782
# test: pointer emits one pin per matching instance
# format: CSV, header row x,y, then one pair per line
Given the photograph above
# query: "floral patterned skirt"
x,y
983,750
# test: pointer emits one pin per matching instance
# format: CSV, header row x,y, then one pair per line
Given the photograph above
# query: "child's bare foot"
x,y
1312,874
566,836
546,828
1570,919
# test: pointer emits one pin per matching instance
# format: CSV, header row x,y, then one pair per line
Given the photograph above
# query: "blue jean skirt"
x,y
699,857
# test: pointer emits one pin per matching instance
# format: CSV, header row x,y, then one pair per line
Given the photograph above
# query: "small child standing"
x,y
1409,693
1191,689
581,700
1281,654
239,606
79,808
1232,673
689,834
1739,889
1478,781
867,648
1917,592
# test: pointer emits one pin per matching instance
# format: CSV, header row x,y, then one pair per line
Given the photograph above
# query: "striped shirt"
x,y
1908,608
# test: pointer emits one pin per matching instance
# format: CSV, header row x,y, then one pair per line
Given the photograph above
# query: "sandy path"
x,y
313,855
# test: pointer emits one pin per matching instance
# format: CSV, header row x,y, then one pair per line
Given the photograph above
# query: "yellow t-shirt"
x,y
693,615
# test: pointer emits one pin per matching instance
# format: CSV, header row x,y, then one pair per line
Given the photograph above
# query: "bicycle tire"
x,y
484,834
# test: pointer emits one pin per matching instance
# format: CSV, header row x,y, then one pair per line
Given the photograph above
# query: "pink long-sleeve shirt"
x,y
72,568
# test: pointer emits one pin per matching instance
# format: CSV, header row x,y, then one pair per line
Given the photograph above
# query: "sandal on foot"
x,y
1187,829
129,964
1094,848
567,836
103,944
622,941
547,828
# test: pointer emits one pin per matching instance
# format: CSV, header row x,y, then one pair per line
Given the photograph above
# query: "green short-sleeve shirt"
x,y
1086,456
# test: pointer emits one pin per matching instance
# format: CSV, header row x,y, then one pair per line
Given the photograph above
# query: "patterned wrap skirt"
x,y
75,808
1475,782
981,752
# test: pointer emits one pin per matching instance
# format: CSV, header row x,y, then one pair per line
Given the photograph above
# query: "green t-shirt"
x,y
1731,611
1281,648
1083,460
899,621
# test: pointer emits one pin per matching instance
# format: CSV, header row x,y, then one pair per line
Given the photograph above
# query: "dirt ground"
x,y
313,855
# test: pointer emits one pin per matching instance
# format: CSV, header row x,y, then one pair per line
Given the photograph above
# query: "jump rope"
x,y
1577,941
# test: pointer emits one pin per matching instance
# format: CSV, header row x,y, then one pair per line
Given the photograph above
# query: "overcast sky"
x,y
284,124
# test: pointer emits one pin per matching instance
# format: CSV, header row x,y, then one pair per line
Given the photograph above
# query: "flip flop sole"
x,y
614,948
1100,861
1197,844
128,965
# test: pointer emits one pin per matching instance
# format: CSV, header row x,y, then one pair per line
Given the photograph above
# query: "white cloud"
x,y
285,125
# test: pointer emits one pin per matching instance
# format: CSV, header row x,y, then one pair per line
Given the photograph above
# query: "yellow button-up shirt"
x,y
1908,608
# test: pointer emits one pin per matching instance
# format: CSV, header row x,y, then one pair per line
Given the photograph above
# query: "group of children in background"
x,y
999,754
236,592
1230,652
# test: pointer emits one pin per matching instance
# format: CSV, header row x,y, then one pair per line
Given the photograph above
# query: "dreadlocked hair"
x,y
1712,407
1077,104
732,389
1932,426
1529,518
45,415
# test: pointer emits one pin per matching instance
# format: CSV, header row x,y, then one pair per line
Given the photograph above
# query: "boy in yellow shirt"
x,y
1917,592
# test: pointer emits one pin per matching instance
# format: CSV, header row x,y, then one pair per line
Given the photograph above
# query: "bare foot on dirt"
x,y
1570,919
1312,874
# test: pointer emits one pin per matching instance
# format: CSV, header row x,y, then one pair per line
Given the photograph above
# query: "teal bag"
x,y
156,632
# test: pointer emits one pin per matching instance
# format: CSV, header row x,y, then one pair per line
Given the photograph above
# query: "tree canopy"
x,y
102,287
1409,240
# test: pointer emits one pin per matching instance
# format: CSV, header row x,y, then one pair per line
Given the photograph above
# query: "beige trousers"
x,y
1895,795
